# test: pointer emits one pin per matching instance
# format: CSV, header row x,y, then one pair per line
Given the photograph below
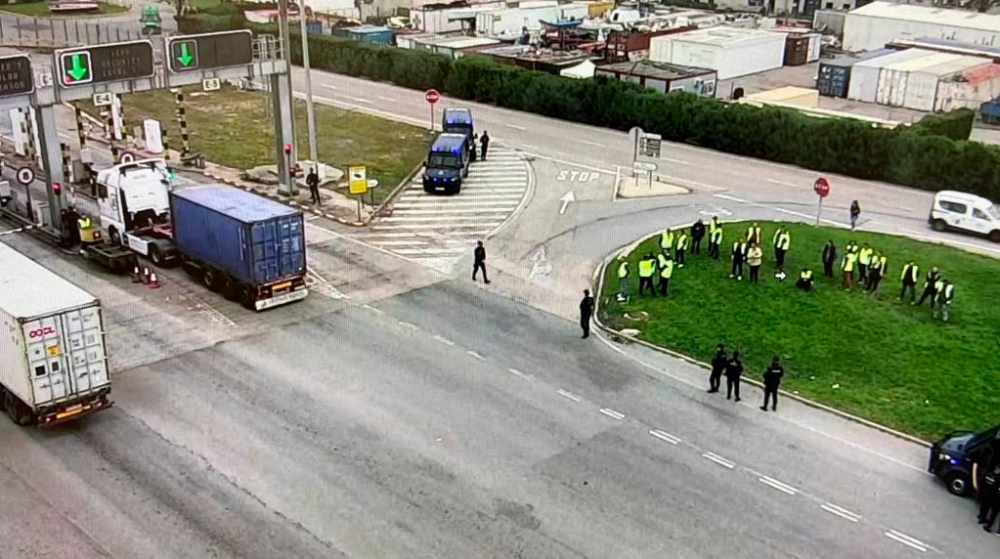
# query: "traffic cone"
x,y
153,282
145,275
136,278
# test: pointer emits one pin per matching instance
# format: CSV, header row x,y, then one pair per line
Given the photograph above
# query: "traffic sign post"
x,y
25,175
16,76
432,97
207,51
95,64
822,189
357,183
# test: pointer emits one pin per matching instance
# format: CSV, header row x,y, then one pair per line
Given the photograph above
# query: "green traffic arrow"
x,y
78,71
185,58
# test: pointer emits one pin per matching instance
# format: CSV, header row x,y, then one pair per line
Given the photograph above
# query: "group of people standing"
x,y
732,369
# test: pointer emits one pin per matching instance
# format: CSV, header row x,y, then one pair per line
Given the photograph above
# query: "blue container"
x,y
253,239
314,27
370,34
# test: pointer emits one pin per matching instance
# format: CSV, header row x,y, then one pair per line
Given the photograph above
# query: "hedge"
x,y
933,154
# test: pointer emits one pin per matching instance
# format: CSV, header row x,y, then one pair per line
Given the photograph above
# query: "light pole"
x,y
310,115
286,48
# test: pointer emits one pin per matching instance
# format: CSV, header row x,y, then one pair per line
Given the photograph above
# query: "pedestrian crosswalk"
x,y
438,230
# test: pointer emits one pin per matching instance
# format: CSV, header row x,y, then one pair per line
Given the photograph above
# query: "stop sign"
x,y
432,96
821,187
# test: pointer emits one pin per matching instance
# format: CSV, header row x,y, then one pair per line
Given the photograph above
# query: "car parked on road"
x,y
952,457
447,164
965,212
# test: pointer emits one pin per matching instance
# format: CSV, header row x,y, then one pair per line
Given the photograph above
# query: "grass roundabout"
x,y
867,354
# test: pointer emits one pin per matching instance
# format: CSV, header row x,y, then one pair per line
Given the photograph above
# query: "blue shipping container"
x,y
253,239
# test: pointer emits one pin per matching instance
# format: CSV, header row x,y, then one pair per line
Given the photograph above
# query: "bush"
x,y
933,154
223,17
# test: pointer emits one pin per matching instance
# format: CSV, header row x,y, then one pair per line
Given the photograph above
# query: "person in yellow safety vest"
x,y
754,234
877,270
781,248
739,256
666,241
683,241
864,261
666,270
715,242
713,225
83,223
622,278
909,280
847,265
755,257
774,240
945,292
647,269
805,282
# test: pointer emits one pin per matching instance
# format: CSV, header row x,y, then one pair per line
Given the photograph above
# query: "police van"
x,y
447,164
954,455
459,121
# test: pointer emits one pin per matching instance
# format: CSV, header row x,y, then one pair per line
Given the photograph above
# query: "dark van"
x,y
447,164
459,121
952,457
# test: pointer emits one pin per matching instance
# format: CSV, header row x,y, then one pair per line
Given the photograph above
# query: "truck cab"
x,y
133,199
447,164
459,121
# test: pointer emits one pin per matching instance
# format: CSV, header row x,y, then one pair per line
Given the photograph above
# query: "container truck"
x,y
53,360
247,247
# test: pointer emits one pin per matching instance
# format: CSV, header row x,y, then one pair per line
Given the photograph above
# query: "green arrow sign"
x,y
77,70
185,57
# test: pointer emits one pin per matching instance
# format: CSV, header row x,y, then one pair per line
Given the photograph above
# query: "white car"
x,y
965,212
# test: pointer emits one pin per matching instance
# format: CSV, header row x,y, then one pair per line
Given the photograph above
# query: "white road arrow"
x,y
566,199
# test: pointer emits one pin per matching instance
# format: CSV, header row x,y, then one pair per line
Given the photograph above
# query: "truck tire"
x,y
156,256
115,236
16,411
229,288
210,280
246,298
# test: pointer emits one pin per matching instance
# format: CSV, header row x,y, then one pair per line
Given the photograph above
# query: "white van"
x,y
965,212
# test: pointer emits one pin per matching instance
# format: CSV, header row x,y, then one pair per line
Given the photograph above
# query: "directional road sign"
x,y
206,51
113,62
16,77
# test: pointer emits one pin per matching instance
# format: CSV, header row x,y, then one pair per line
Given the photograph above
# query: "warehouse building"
x,y
730,51
663,77
879,23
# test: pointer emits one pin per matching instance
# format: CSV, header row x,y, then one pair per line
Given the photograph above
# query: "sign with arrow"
x,y
114,62
206,51
566,200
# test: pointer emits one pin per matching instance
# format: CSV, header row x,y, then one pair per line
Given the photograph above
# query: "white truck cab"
x,y
134,202
965,212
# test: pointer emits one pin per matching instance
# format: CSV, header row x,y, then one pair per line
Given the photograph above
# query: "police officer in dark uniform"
x,y
479,263
312,181
930,286
718,366
586,311
772,380
484,142
989,493
829,258
697,234
734,370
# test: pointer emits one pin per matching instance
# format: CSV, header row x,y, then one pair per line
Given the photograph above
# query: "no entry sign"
x,y
432,96
821,187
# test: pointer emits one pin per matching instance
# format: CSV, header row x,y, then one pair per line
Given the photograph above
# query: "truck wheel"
x,y
115,236
16,410
957,483
210,280
995,235
939,225
156,256
228,288
246,298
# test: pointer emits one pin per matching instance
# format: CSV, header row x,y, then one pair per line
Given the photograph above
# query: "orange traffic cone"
x,y
145,275
153,282
136,278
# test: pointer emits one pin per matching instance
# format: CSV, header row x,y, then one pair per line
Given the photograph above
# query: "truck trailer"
x,y
247,247
53,358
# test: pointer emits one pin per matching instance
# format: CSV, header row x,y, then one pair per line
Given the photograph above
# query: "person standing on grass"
x,y
715,242
734,371
480,262
647,269
719,361
754,234
772,380
781,248
829,258
878,269
755,257
855,214
586,311
945,293
622,278
930,286
864,261
682,246
909,280
666,268
697,234
739,255
847,266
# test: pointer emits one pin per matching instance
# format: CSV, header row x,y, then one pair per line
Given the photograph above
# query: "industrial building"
x,y
873,26
455,46
663,77
730,51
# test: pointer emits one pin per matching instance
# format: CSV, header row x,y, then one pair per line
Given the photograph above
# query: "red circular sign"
x,y
432,96
821,187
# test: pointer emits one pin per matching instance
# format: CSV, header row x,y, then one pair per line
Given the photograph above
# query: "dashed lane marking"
x,y
841,512
713,457
444,340
612,413
775,484
569,395
589,143
664,436
474,354
373,309
515,372
409,325
515,127
906,540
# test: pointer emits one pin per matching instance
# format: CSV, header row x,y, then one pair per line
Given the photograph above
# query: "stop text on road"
x,y
25,175
578,176
821,187
432,96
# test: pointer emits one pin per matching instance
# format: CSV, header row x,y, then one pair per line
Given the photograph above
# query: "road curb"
x,y
394,194
599,278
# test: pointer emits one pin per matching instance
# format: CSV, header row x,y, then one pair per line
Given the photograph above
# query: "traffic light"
x,y
56,188
288,149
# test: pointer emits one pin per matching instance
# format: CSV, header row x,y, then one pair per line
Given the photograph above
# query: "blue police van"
x,y
459,121
447,164
952,457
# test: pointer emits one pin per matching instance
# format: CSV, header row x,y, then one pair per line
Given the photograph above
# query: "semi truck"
x,y
53,358
249,248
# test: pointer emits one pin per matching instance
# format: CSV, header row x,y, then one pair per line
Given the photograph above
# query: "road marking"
x,y
474,354
677,161
777,209
384,98
906,540
409,325
515,127
327,86
589,143
519,373
612,413
444,340
450,226
785,183
438,251
358,99
422,204
373,309
718,460
783,487
569,395
483,219
664,436
454,211
841,512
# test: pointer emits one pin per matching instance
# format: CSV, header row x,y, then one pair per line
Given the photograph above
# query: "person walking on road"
x,y
734,370
647,269
772,380
683,240
847,265
930,286
622,279
697,234
484,143
855,214
586,311
908,279
989,495
755,257
312,181
829,258
480,262
945,292
719,361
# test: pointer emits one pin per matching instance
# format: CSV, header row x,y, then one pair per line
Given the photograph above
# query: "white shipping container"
x,y
732,52
52,350
921,92
975,88
865,74
873,25
893,78
815,41
443,21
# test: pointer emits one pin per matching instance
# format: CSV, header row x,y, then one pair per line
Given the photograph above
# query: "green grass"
x,y
41,9
232,128
203,4
892,363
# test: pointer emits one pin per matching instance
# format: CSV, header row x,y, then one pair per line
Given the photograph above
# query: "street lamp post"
x,y
310,114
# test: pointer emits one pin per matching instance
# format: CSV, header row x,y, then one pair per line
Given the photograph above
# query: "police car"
x,y
447,164
953,455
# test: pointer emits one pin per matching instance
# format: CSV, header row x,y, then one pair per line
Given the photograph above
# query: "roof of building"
x,y
455,41
656,70
949,17
956,66
920,63
956,45
544,55
364,29
979,75
724,36
848,61
898,56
